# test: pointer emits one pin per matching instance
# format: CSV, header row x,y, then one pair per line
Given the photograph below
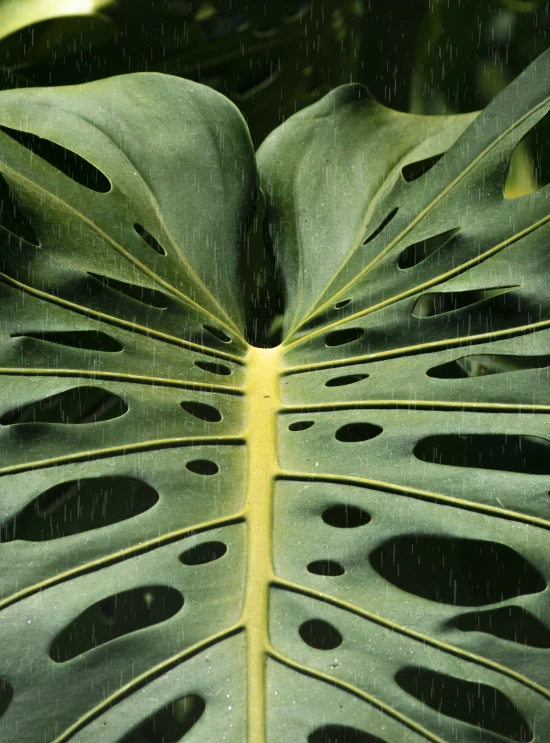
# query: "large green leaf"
x,y
343,538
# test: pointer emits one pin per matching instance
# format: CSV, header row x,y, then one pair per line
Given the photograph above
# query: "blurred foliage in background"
x,y
273,57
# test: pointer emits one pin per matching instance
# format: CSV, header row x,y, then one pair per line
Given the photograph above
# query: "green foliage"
x,y
342,538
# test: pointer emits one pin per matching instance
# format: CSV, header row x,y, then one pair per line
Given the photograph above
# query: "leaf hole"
x,y
508,623
141,294
91,340
218,334
528,169
506,452
202,411
78,506
6,695
13,217
203,553
341,734
459,572
484,365
345,380
352,432
221,369
329,568
170,723
73,407
203,467
437,303
415,170
113,617
345,516
419,251
68,162
471,702
300,425
385,222
151,241
320,635
340,337
341,304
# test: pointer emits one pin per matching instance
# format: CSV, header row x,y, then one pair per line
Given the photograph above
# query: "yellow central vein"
x,y
263,403
129,257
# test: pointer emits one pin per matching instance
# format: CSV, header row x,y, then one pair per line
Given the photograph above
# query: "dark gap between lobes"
x,y
78,506
13,218
68,162
474,703
114,617
342,734
421,250
482,365
415,170
6,695
385,222
151,241
507,623
143,294
72,407
86,339
170,723
438,303
505,452
459,572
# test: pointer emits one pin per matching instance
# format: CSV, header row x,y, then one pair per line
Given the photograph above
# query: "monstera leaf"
x,y
343,538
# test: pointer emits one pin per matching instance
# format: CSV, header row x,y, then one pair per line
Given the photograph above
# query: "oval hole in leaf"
x,y
170,723
419,251
345,517
341,304
528,161
437,303
13,218
78,506
68,162
482,365
141,294
358,432
505,452
320,635
459,572
203,467
300,425
87,339
339,337
471,702
75,406
385,222
509,623
330,568
202,411
114,617
151,241
341,734
6,695
218,334
347,379
221,369
414,170
203,553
